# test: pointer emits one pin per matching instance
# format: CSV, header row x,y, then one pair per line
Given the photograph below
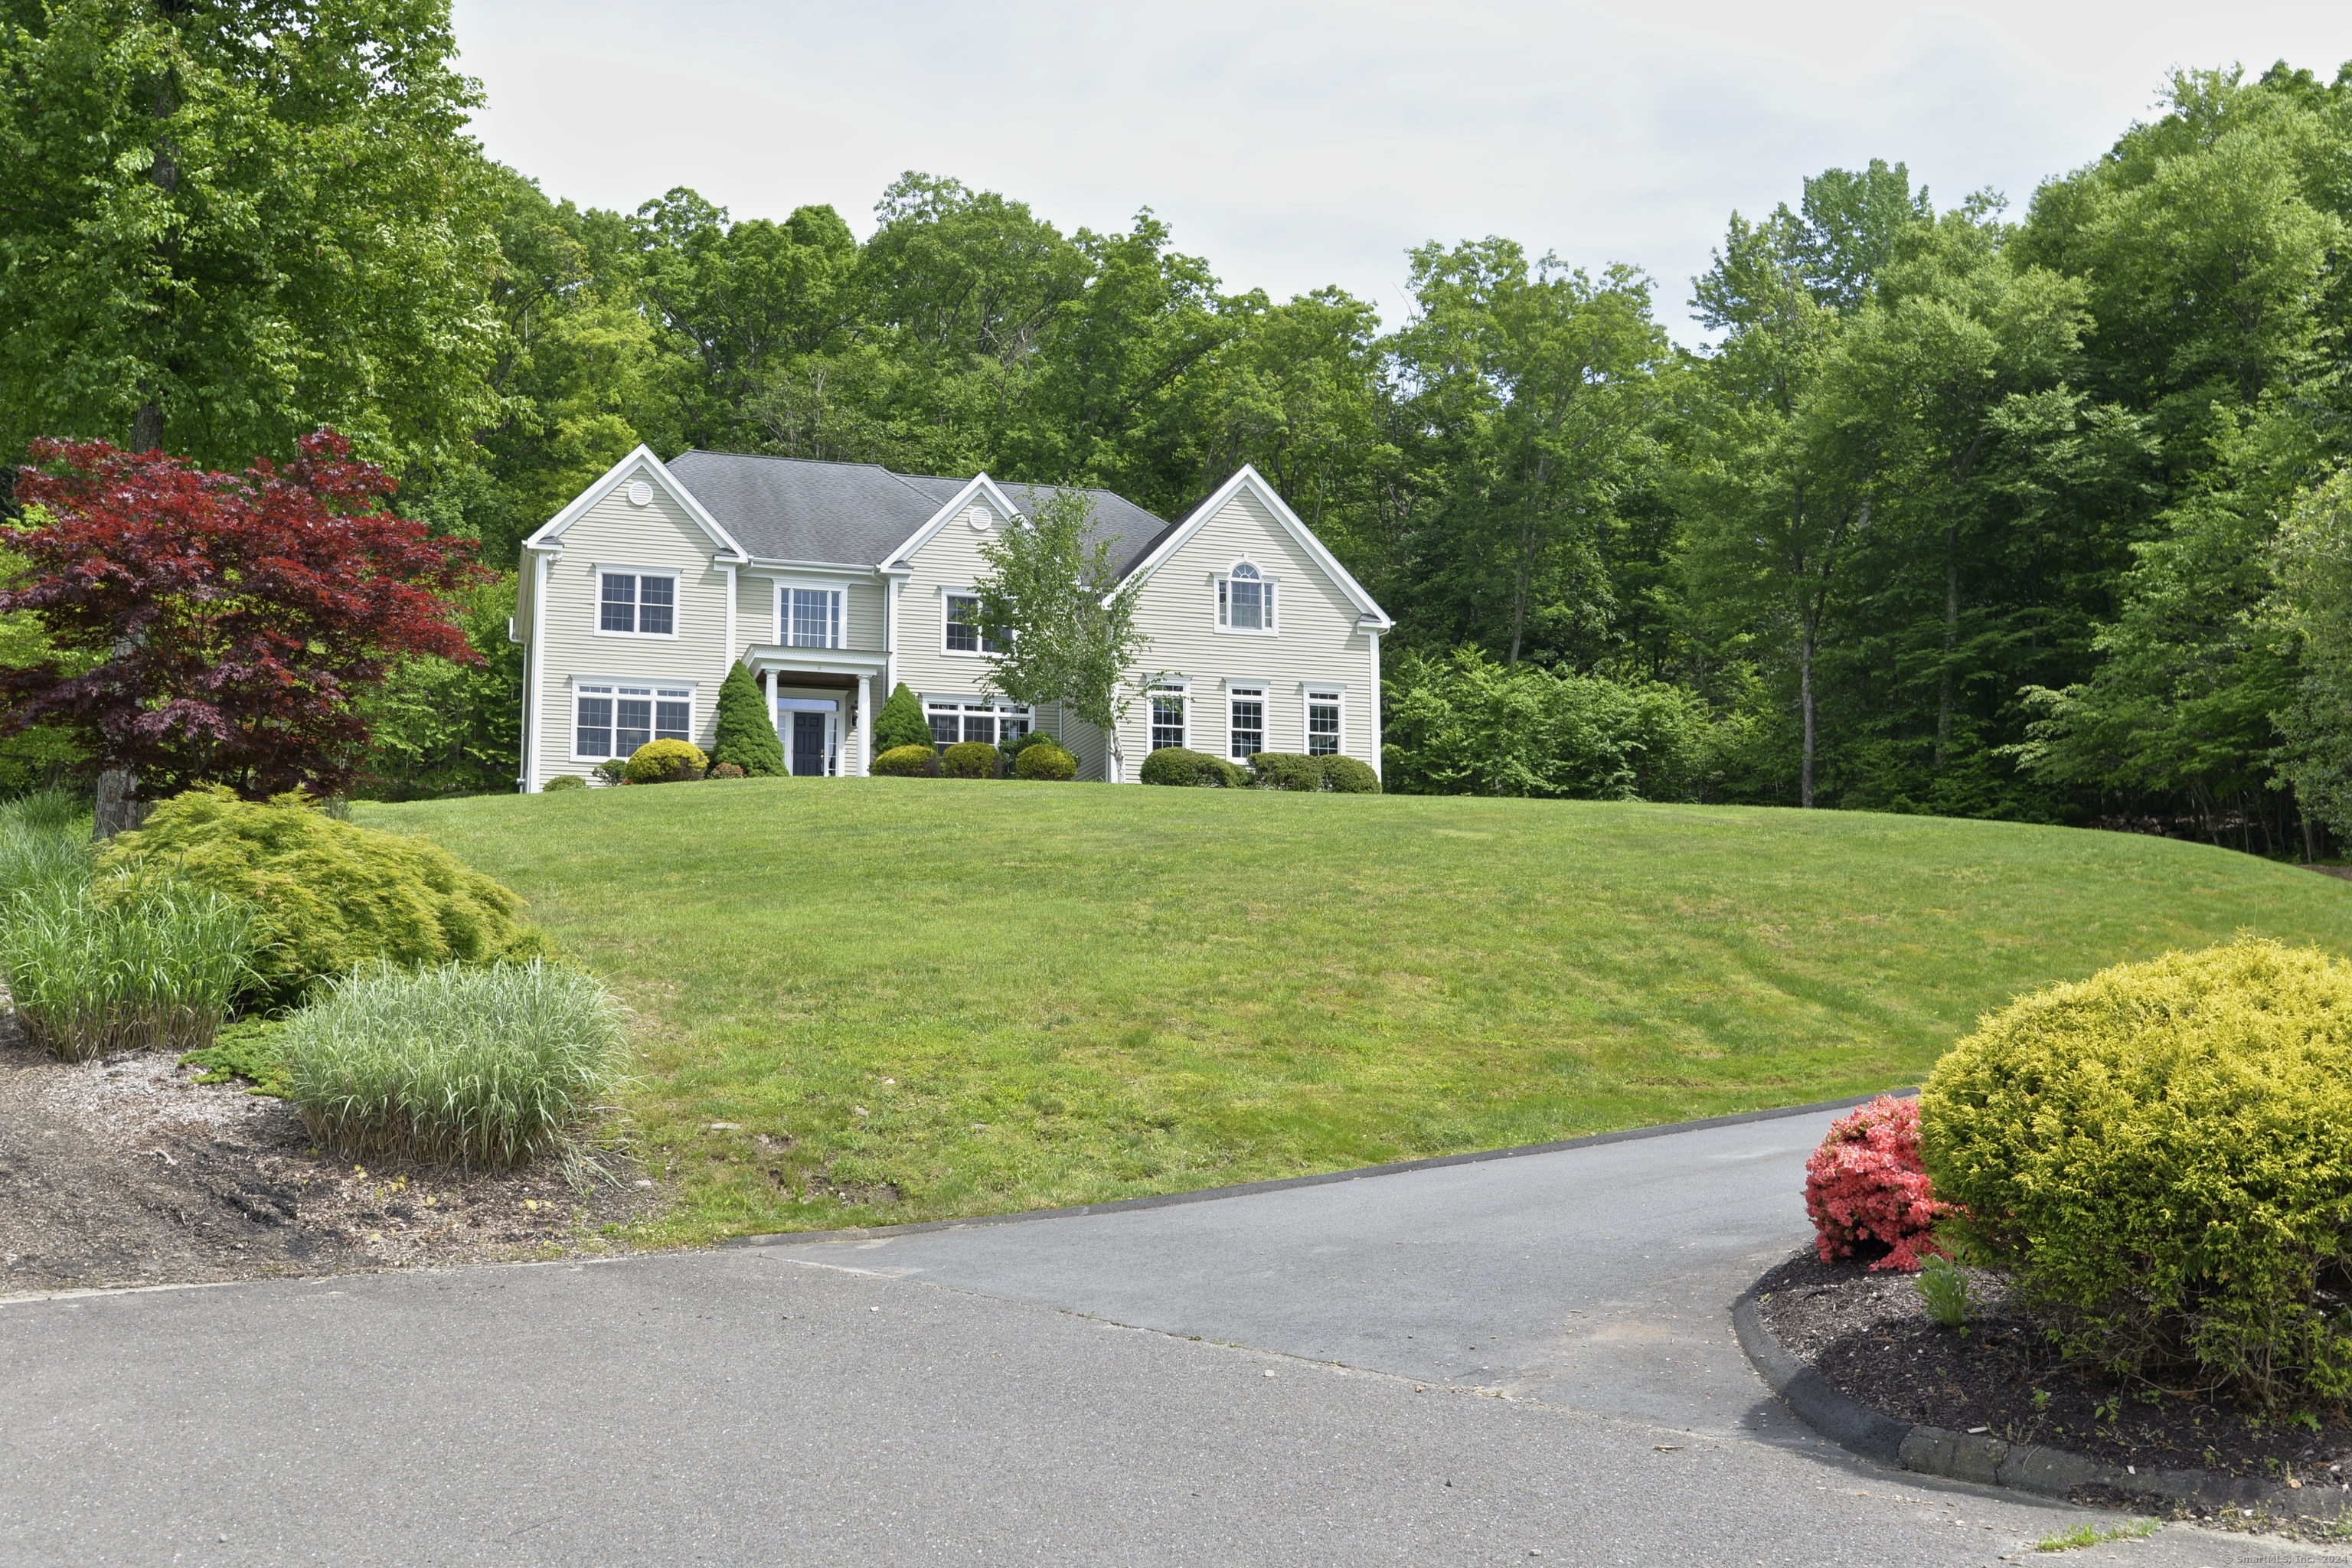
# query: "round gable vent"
x,y
640,493
979,518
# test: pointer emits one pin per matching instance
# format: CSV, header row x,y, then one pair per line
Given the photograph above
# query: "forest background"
x,y
2033,515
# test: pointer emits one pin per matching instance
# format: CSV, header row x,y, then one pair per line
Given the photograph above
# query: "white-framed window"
x,y
1325,736
962,632
1245,601
613,717
808,617
999,725
1168,701
1244,722
637,604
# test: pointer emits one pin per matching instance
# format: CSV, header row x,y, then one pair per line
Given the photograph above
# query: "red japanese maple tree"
x,y
215,626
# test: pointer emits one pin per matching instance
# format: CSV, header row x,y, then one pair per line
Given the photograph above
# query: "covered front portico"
x,y
822,701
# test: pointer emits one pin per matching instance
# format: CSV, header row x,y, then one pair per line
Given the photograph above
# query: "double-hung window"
x,y
1245,721
1245,600
1167,716
811,617
965,634
612,720
1322,723
953,722
638,603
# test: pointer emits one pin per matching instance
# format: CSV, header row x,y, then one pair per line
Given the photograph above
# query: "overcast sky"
x,y
1295,144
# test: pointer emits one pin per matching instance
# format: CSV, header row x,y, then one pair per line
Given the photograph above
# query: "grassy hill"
x,y
921,999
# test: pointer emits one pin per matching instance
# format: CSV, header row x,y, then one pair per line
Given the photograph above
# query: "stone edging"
x,y
1977,1456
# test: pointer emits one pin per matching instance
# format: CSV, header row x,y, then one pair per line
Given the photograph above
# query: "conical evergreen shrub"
x,y
901,722
746,736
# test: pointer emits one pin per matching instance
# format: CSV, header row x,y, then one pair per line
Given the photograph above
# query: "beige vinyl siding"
x,y
1317,641
760,604
950,559
615,533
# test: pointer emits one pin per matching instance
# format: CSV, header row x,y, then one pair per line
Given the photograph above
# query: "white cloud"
x,y
1295,144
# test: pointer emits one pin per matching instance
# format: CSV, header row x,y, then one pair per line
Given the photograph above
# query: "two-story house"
x,y
835,582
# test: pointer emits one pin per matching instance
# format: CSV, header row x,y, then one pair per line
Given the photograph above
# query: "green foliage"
x,y
899,722
1466,725
972,760
2313,607
611,771
562,782
248,1049
1345,775
327,896
158,967
1285,770
1181,766
917,761
45,850
1943,1291
1042,759
2156,1156
666,761
440,728
745,735
484,1067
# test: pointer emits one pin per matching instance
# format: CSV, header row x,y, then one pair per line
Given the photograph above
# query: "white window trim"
x,y
1336,693
1217,602
606,686
603,569
840,592
1003,710
946,652
1236,691
1183,690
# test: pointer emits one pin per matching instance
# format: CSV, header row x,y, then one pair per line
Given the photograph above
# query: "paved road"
x,y
942,1397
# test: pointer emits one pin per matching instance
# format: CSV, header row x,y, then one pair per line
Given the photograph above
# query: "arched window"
x,y
1245,600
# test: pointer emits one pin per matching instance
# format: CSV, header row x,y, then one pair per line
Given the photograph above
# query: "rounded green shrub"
x,y
2161,1158
908,762
612,769
562,782
471,1067
743,734
1181,766
1044,760
330,895
899,722
1345,775
972,760
1285,770
666,761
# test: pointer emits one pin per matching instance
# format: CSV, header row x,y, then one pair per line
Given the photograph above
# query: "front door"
x,y
808,744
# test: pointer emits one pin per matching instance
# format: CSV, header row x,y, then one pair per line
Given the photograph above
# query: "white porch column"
x,y
864,726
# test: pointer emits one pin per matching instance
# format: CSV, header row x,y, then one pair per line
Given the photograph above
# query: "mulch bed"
x,y
1868,1334
128,1172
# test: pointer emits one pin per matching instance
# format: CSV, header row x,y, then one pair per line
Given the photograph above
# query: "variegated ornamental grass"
x,y
475,1066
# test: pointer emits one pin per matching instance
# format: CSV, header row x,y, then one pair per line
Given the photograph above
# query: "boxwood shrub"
x,y
562,782
2158,1156
972,760
908,762
666,761
1345,775
1183,766
1289,770
1042,759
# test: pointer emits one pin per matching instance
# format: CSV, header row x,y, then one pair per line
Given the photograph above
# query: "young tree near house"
x,y
221,626
744,734
1067,633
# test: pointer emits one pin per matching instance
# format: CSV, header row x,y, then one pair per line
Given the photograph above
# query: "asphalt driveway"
x,y
1516,1360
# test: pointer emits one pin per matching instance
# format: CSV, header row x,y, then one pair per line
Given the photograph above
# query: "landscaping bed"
x,y
125,1171
1869,1336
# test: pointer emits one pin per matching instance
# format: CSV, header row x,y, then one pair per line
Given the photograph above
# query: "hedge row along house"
x,y
832,582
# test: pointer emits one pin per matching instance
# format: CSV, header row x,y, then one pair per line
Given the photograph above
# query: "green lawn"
x,y
921,999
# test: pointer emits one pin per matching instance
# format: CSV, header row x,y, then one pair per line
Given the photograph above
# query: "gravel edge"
x,y
1977,1456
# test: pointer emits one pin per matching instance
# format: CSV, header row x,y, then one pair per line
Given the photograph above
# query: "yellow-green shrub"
x,y
666,761
972,760
331,896
2161,1157
908,762
1044,760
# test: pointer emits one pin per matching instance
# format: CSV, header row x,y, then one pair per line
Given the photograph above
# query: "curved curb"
x,y
1986,1460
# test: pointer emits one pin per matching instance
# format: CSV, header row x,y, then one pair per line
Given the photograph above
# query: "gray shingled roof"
x,y
789,509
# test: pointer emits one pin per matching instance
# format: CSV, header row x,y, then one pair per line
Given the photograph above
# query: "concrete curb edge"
x,y
1978,1457
1246,1189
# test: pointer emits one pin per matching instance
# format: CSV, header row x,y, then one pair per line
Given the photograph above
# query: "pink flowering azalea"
x,y
1865,1183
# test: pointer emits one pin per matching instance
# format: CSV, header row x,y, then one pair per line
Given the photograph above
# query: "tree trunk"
x,y
120,809
1951,640
1805,703
147,428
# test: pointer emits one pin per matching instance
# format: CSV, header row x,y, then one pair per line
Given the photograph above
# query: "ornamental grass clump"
x,y
2160,1157
480,1067
1865,1187
157,969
